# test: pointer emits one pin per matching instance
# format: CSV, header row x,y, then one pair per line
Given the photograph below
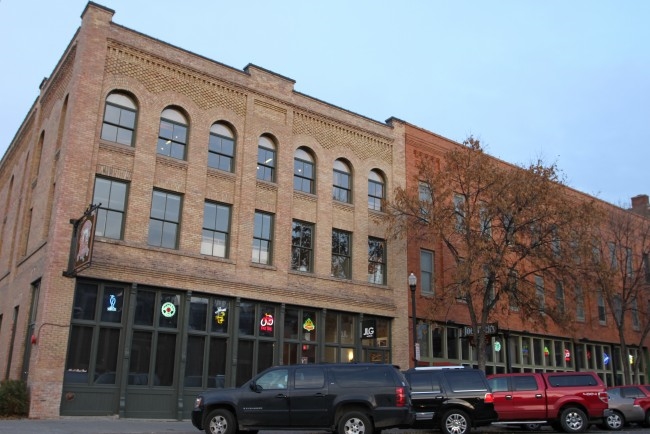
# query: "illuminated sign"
x,y
266,323
168,309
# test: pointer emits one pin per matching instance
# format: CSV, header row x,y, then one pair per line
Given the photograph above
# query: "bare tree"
x,y
502,225
617,269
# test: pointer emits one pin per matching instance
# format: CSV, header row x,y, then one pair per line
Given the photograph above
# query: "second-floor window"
x,y
119,119
216,229
221,148
262,238
302,246
164,220
111,196
376,260
539,292
426,272
341,254
172,135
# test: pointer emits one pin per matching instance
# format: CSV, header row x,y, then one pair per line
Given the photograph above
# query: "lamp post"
x,y
412,283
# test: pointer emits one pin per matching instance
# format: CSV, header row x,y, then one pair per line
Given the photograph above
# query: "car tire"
x,y
355,422
615,421
646,421
573,420
220,421
455,422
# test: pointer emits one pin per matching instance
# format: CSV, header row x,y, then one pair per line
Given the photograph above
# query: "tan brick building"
x,y
238,224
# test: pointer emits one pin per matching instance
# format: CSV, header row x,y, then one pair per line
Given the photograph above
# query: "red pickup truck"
x,y
568,401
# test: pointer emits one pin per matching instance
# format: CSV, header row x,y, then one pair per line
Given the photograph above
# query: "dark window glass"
x,y
464,381
140,358
78,360
198,313
217,362
291,323
266,160
247,318
245,366
194,361
309,378
144,308
375,193
342,188
107,351
85,301
302,246
165,350
524,383
426,271
303,175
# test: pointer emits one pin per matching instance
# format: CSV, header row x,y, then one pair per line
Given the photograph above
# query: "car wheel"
x,y
573,420
646,422
455,422
355,422
220,421
532,426
615,421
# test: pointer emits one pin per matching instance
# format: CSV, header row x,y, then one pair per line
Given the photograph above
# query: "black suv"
x,y
452,398
343,398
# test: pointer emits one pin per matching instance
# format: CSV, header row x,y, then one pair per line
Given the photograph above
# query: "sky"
x,y
567,82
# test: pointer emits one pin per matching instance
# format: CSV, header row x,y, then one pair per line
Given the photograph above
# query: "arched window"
x,y
266,159
119,119
303,171
172,136
376,190
221,148
342,185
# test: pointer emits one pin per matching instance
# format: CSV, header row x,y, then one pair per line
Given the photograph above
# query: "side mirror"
x,y
255,387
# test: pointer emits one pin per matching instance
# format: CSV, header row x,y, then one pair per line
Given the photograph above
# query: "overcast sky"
x,y
564,81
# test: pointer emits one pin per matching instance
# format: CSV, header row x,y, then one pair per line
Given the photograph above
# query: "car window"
x,y
498,384
526,382
616,393
309,378
424,382
632,392
466,381
276,379
361,376
572,380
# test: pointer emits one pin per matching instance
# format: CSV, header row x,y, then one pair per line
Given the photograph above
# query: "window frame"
x,y
302,247
376,181
221,155
337,254
427,277
181,122
266,158
106,210
225,232
258,235
339,188
119,126
300,176
374,262
166,219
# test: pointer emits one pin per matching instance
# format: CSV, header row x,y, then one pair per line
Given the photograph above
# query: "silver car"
x,y
624,410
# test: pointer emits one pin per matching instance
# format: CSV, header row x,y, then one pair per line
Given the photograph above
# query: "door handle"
x,y
281,395
508,396
538,396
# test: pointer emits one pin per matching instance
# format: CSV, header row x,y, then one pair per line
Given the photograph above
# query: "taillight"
x,y
400,396
603,397
489,398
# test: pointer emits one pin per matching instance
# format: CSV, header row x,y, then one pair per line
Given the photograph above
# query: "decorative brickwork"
x,y
58,85
160,75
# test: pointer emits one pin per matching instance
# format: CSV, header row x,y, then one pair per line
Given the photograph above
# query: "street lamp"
x,y
412,283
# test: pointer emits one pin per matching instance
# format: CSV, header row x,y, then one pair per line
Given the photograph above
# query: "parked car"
x,y
343,398
629,404
568,401
451,398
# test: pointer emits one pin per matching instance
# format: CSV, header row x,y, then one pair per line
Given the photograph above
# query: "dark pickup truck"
x,y
343,398
568,401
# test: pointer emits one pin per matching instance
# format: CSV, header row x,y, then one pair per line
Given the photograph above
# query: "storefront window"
x,y
347,328
169,304
144,309
220,315
198,313
452,343
247,318
112,305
